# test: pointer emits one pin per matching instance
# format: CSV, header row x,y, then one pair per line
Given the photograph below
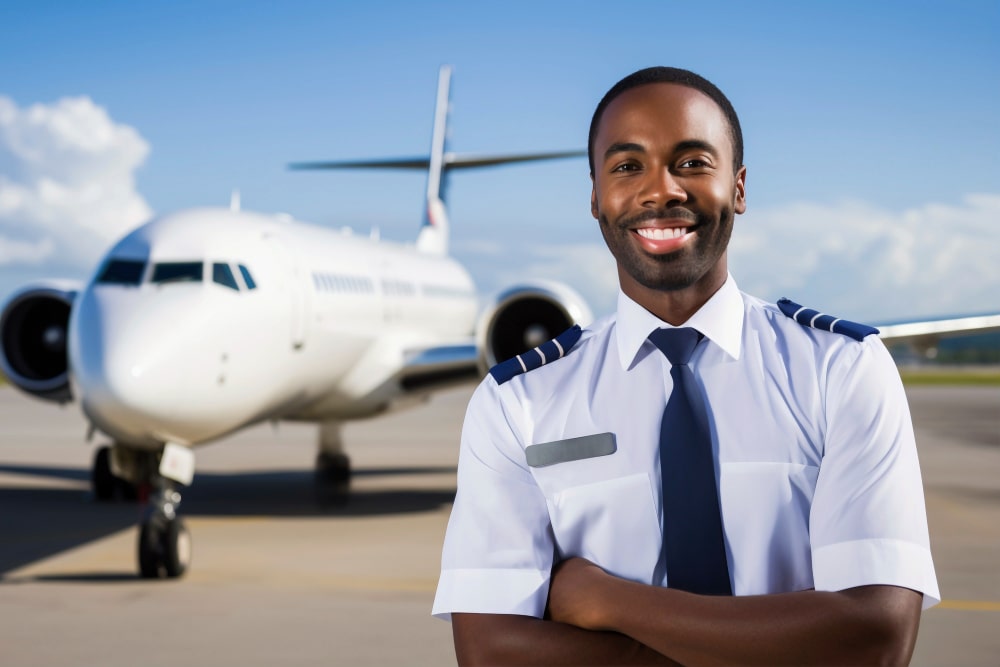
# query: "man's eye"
x,y
628,166
694,163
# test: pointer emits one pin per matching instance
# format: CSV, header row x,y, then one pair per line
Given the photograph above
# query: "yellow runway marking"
x,y
969,605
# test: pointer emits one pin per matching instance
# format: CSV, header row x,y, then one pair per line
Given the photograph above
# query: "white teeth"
x,y
661,234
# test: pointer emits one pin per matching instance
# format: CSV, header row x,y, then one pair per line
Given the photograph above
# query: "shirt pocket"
x,y
765,507
612,523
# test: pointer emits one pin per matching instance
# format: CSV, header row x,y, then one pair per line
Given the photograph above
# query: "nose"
x,y
662,189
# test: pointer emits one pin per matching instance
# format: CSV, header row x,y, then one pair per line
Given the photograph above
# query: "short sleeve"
x,y
498,549
868,523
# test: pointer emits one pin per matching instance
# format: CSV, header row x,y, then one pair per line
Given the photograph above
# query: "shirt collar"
x,y
720,320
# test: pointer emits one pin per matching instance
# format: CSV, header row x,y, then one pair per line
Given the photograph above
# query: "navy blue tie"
x,y
693,548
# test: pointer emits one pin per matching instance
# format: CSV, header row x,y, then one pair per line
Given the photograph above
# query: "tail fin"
x,y
433,237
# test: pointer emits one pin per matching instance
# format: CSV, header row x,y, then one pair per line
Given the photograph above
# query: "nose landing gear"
x,y
164,540
164,545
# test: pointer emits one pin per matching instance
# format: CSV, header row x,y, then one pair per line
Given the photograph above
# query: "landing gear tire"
x,y
333,478
164,549
149,551
177,549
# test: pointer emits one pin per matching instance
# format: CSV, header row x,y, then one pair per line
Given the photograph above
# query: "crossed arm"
x,y
596,618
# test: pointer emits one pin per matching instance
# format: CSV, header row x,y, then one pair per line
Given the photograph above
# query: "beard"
x,y
671,271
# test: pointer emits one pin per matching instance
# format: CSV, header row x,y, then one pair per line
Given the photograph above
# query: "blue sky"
x,y
871,129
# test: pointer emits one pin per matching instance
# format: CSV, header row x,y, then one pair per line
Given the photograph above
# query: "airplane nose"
x,y
131,354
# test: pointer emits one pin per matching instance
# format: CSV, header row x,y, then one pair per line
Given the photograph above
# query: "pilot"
x,y
701,477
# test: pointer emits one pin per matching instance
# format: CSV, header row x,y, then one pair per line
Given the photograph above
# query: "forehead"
x,y
663,112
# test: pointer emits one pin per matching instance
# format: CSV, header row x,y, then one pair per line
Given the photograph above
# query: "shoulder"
x,y
788,321
576,342
807,348
792,335
548,352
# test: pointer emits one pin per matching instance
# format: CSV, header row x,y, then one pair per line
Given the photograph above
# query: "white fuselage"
x,y
171,357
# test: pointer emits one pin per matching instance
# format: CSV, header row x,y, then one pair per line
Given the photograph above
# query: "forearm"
x,y
500,640
868,625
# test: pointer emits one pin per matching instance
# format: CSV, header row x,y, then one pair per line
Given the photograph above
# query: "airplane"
x,y
205,321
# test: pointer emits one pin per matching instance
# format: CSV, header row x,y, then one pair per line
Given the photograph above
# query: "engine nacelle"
x,y
34,332
525,316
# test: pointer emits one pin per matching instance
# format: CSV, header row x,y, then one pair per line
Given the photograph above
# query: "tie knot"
x,y
676,344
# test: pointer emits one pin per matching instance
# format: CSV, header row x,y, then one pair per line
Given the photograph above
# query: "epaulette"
x,y
817,320
557,348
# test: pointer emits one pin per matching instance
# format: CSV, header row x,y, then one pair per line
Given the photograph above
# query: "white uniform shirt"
x,y
817,467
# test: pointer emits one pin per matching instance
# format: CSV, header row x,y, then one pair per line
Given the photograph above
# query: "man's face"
x,y
664,190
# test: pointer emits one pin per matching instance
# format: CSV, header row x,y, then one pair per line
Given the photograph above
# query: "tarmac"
x,y
277,578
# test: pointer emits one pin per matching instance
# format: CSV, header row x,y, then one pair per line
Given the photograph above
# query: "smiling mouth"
x,y
665,240
662,234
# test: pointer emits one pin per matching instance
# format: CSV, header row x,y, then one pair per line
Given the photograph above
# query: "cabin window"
x,y
335,282
177,272
122,272
223,275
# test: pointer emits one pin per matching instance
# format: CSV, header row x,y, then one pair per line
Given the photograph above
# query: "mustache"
x,y
673,212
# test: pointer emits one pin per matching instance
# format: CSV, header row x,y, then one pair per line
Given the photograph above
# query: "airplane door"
x,y
391,312
294,291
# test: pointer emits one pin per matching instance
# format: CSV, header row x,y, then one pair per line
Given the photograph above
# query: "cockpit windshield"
x,y
247,278
223,275
177,272
122,272
118,271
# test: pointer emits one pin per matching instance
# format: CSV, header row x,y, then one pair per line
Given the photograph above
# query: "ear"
x,y
593,199
740,205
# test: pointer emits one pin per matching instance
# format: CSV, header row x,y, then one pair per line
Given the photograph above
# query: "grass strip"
x,y
974,377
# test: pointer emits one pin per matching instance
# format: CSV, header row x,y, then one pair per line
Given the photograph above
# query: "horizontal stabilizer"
x,y
434,232
451,161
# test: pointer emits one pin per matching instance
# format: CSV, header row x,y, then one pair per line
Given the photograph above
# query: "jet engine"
x,y
525,316
34,331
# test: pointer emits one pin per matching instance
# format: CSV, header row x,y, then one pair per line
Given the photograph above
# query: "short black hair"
x,y
670,75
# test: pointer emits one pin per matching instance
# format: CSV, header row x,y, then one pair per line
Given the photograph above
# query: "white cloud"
x,y
852,259
22,252
67,183
858,260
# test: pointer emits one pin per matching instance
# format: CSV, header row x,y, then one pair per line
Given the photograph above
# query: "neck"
x,y
676,306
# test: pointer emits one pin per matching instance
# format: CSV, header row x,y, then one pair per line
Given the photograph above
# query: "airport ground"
x,y
277,579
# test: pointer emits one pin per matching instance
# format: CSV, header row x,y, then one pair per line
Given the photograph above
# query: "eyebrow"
x,y
623,147
688,145
696,145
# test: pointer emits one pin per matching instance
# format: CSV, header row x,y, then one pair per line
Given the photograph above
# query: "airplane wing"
x,y
924,336
907,332
437,367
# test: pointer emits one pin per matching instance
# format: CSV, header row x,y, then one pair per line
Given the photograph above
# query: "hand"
x,y
576,594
